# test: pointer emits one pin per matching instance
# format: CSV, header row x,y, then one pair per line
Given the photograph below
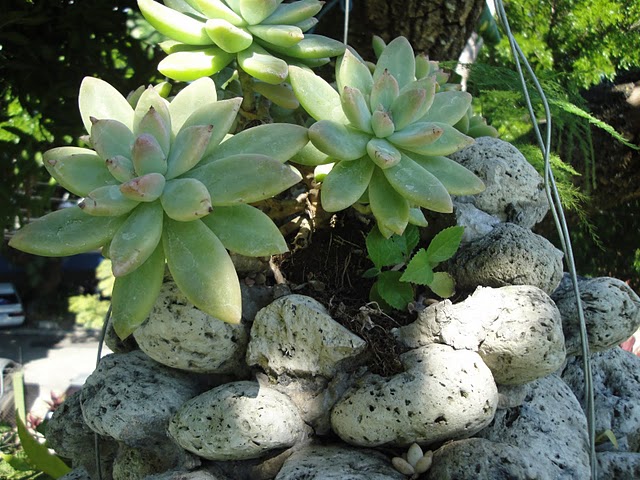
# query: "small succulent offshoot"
x,y
158,185
386,136
414,462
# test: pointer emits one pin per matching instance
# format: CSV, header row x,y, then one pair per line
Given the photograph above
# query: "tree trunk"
x,y
439,28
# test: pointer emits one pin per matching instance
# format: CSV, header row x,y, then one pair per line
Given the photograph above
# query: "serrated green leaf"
x,y
412,236
418,270
444,245
396,293
385,252
442,285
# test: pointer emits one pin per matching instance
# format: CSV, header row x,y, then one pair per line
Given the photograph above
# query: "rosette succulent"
x,y
158,185
386,134
264,36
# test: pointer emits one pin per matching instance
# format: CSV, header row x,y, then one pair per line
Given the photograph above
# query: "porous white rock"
x,y
78,473
130,397
618,465
476,222
508,255
616,385
442,394
131,463
337,462
179,335
237,421
514,189
550,426
296,335
611,312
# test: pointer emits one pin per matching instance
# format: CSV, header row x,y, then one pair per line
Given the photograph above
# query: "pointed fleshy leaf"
x,y
419,270
321,172
186,199
449,142
136,239
378,45
245,230
65,232
121,168
345,184
147,155
311,156
78,170
448,107
356,108
276,140
384,91
234,5
107,201
146,188
188,66
422,66
444,245
443,285
338,141
244,178
260,64
188,149
398,58
100,100
457,179
352,72
408,107
254,11
419,186
282,94
294,12
279,35
154,124
110,138
382,153
390,209
417,218
202,269
221,115
135,294
478,131
148,100
311,46
174,24
228,37
416,136
429,85
193,96
316,96
218,9
381,123
306,25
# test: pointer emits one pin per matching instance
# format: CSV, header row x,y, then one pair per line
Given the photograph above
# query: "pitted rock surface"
x,y
481,459
476,222
511,396
179,335
618,465
237,421
130,398
138,463
79,473
443,394
337,463
296,335
514,189
550,426
611,312
185,475
508,255
616,384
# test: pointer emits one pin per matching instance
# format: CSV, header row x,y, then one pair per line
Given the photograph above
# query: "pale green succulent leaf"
x,y
416,136
419,269
187,66
448,107
390,209
227,36
184,6
310,47
192,97
419,186
188,148
174,24
383,153
255,11
147,155
409,106
457,179
145,188
135,294
282,94
306,25
378,45
356,108
155,125
450,141
65,232
218,9
478,131
381,123
150,99
417,218
384,91
443,284
294,12
352,72
398,58
338,140
107,201
444,245
78,170
100,100
345,184
316,96
202,269
234,5
186,199
280,35
245,178
311,156
260,64
110,138
245,230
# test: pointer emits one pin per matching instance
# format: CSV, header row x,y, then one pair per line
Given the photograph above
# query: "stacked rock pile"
x,y
493,384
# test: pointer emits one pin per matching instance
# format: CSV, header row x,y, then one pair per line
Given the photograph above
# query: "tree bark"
x,y
439,28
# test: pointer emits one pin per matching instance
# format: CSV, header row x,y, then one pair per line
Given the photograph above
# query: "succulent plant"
x,y
159,184
386,134
414,462
264,36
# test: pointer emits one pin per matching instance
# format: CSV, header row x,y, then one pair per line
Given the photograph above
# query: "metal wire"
x,y
96,437
557,212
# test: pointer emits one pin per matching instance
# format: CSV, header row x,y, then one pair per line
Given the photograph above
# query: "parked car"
x,y
11,311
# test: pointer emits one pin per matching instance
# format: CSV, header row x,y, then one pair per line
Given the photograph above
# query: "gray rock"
x,y
443,394
179,335
255,298
517,330
508,255
616,384
611,312
130,398
481,459
476,223
138,463
296,335
185,475
511,396
79,473
514,189
550,426
237,421
337,462
618,465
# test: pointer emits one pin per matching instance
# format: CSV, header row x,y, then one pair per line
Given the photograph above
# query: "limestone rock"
x,y
296,335
618,465
616,384
511,396
481,459
476,222
514,189
550,426
130,398
79,473
138,463
237,421
508,255
443,394
185,475
337,462
611,312
179,335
